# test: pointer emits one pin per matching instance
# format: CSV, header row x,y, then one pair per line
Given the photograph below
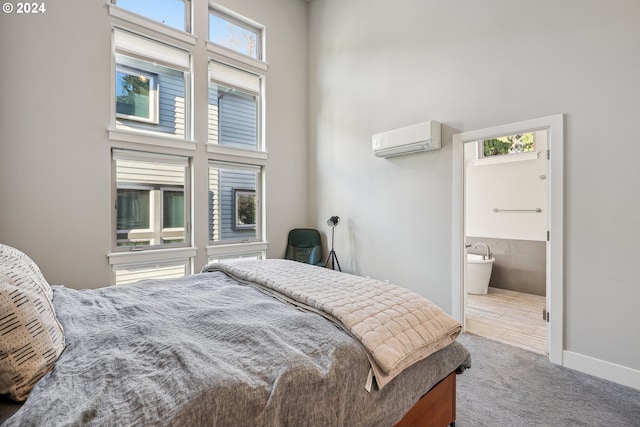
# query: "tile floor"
x,y
510,317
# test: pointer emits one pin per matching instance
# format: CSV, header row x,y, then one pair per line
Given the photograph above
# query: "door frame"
x,y
554,124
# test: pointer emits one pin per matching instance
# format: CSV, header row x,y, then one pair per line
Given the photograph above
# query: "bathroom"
x,y
506,223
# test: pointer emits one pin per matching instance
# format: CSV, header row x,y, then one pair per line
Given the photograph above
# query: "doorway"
x,y
554,126
506,235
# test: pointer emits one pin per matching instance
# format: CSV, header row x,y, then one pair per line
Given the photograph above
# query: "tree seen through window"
x,y
512,144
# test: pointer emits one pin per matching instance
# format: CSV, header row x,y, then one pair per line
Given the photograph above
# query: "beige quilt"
x,y
396,326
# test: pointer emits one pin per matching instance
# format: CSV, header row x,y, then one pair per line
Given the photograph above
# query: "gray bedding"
x,y
207,350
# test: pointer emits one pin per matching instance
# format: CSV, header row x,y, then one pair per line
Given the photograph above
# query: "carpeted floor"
x,y
508,386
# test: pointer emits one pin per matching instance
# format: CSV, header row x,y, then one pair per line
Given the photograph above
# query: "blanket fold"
x,y
396,326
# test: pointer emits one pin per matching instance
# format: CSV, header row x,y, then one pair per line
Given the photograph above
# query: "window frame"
x,y
144,49
250,89
242,22
237,193
480,147
186,263
148,157
259,192
152,38
154,95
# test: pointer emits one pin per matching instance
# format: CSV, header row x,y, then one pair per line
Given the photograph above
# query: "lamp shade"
x,y
333,221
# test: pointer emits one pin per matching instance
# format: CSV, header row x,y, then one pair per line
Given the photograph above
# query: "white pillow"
x,y
31,338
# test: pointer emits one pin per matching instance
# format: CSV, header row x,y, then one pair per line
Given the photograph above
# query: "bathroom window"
x,y
507,145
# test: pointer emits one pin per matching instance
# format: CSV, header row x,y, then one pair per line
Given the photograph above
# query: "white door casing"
x,y
554,124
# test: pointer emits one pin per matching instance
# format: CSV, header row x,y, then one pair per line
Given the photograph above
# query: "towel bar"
x,y
536,210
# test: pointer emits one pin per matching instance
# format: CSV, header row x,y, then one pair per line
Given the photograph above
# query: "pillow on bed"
x,y
31,338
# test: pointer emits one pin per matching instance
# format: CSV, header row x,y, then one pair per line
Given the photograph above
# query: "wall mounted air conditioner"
x,y
411,139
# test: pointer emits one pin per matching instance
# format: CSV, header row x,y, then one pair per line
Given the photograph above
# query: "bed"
x,y
235,346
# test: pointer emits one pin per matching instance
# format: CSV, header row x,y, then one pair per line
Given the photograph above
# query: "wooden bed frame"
x,y
437,408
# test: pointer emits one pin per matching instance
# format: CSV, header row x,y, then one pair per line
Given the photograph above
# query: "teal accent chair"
x,y
304,245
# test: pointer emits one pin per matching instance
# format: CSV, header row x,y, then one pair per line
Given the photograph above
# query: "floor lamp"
x,y
333,223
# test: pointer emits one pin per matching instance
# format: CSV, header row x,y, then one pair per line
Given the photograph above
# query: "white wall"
x,y
55,188
377,65
507,185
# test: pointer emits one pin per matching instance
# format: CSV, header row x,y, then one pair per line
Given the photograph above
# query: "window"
x,y
153,149
233,203
244,209
151,200
506,145
131,273
151,86
242,257
234,101
174,13
234,34
136,94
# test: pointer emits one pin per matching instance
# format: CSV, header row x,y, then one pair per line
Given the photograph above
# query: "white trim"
x,y
234,78
555,247
506,158
235,166
151,138
139,156
236,249
237,155
154,99
241,21
602,369
142,47
230,57
151,255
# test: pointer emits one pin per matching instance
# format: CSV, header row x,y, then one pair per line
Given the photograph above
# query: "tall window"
x,y
151,200
153,148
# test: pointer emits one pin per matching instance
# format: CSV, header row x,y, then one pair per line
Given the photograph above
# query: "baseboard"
x,y
602,369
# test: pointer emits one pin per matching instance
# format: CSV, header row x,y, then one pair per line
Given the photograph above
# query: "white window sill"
x,y
259,157
235,58
236,248
150,255
159,140
506,158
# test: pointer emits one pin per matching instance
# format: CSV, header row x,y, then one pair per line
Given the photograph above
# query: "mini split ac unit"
x,y
411,139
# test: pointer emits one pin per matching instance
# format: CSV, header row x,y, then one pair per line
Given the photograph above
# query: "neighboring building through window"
x,y
153,146
151,202
234,102
233,202
151,84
